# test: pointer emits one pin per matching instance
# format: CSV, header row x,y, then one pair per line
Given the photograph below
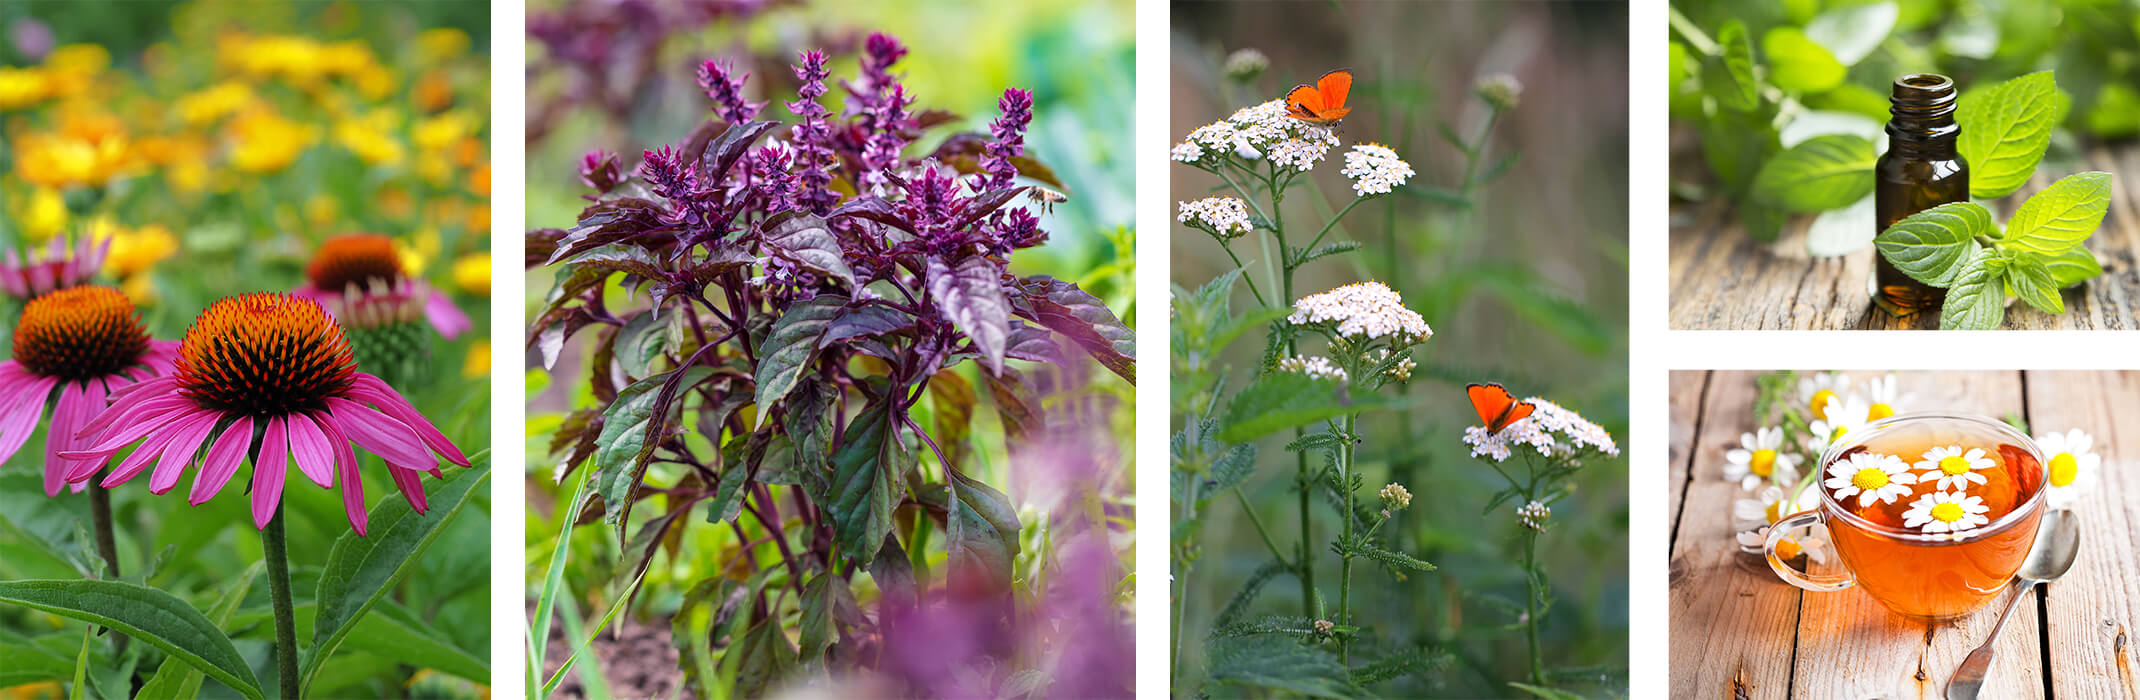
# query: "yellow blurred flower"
x,y
472,274
479,181
72,69
371,137
479,218
395,203
321,210
207,106
376,82
23,87
433,91
140,288
134,251
441,45
44,215
268,143
469,152
87,150
416,252
435,134
477,365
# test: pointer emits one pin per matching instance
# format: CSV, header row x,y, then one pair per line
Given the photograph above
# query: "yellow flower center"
x,y
1880,410
1764,463
1775,512
1947,512
1837,434
2063,469
1820,403
1788,549
1870,479
1954,465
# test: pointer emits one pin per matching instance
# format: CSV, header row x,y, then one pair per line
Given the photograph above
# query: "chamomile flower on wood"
x,y
1884,396
2073,464
1843,415
1953,468
1814,544
1946,511
1759,458
1816,391
1870,477
1771,505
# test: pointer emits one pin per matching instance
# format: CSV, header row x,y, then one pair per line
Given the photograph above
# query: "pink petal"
x,y
308,446
412,487
268,468
169,428
129,413
222,462
133,395
24,409
66,418
137,426
377,391
447,318
180,450
384,436
345,463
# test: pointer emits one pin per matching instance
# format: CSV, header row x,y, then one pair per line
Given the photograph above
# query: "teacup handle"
x,y
1811,582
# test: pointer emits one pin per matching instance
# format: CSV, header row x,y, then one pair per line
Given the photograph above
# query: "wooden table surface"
x,y
1724,279
1739,632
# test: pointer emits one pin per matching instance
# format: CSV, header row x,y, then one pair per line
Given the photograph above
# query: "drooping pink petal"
x,y
23,410
133,394
310,291
412,487
308,446
179,452
345,465
222,462
136,426
167,428
66,418
376,390
444,316
268,468
129,415
392,440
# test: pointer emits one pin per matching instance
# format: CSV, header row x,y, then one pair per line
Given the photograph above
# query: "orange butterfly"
x,y
1323,103
1496,407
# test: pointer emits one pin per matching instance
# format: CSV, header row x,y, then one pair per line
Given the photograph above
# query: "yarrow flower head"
x,y
1499,89
1871,477
1244,65
346,267
1258,131
1375,169
1944,511
1362,311
1550,430
27,276
1315,366
1533,515
1225,217
85,342
1395,497
278,365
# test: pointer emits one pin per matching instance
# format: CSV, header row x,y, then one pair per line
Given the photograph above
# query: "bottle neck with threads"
x,y
1923,125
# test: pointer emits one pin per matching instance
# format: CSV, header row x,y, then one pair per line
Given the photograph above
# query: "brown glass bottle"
x,y
1920,170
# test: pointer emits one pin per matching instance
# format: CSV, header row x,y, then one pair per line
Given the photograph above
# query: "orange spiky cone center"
x,y
358,260
79,333
265,355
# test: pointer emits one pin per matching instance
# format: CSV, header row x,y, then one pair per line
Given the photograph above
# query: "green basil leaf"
x,y
1977,301
2031,281
1730,79
1934,245
1798,64
2073,267
2004,131
1825,172
2061,216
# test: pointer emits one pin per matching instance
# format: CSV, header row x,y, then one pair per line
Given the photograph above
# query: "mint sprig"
x,y
2042,250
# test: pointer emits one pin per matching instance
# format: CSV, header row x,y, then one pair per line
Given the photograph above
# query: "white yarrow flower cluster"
x,y
1550,431
1363,311
1225,216
1259,131
1315,366
1534,515
1375,169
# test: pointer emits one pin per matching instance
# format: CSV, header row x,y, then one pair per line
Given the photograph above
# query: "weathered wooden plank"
x,y
1686,398
1723,279
1732,620
2092,615
1851,647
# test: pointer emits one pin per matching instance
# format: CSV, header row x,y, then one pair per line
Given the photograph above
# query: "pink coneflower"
x,y
348,265
58,269
85,341
276,366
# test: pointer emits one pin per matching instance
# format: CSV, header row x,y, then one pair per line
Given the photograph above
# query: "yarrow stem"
x,y
278,570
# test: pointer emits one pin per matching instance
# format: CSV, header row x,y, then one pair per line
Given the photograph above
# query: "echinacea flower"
x,y
1759,459
384,323
1772,505
1952,467
2073,466
1375,169
1844,414
27,276
1886,398
1225,217
1362,311
347,265
279,365
1872,477
1814,544
1817,390
1944,511
87,342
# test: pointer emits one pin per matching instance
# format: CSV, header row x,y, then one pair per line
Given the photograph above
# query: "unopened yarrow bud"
x,y
1534,515
1395,497
1244,65
1324,626
1500,90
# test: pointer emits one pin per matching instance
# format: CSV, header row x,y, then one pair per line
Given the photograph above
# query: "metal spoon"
x,y
2057,540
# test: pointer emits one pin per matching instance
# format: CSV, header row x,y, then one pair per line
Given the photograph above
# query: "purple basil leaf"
x,y
866,472
804,239
608,222
721,155
1065,309
866,321
987,203
1032,343
970,295
874,209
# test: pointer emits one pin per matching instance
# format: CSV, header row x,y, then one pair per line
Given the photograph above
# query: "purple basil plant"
x,y
794,290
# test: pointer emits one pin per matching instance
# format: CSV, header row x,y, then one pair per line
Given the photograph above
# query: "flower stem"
x,y
278,569
1344,616
100,515
1530,603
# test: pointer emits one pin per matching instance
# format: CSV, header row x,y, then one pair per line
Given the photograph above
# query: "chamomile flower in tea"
x,y
1949,466
1870,477
1760,458
80,344
2073,465
1946,511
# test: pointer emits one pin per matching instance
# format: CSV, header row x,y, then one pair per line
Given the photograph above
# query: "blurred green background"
x,y
1527,286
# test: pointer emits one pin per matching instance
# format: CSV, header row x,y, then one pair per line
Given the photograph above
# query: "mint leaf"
x,y
1797,64
1977,301
1731,79
2073,267
1736,145
2028,279
2004,131
2061,216
1825,172
1851,33
1933,245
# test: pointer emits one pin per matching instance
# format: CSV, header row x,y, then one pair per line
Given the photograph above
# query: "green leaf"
x,y
767,659
1284,400
2073,267
790,348
727,500
1798,64
981,529
2004,129
865,484
1730,78
177,680
360,571
1933,245
2061,216
622,449
818,602
1977,301
1851,33
145,614
2030,280
640,342
1825,172
1280,662
1233,467
1736,145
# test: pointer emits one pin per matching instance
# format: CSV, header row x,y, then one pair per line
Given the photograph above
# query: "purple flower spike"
x,y
725,87
1007,139
879,52
598,169
813,136
887,122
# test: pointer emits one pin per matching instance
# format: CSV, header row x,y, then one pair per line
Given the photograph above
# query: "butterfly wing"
x,y
1334,87
1516,411
1304,102
1495,406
